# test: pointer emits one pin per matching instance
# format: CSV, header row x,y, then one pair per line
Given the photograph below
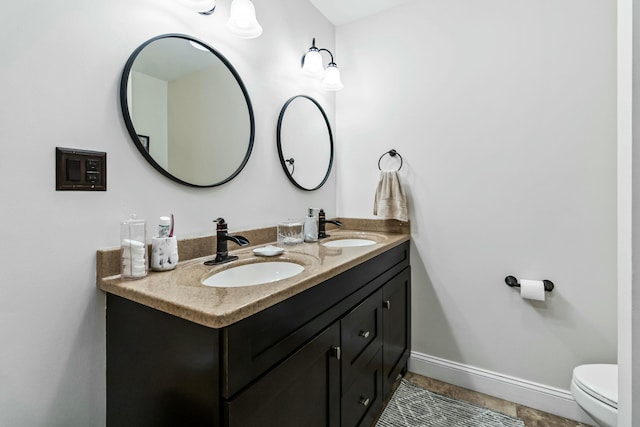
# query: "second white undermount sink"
x,y
253,274
348,243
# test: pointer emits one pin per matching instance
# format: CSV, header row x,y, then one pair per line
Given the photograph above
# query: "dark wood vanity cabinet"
x,y
325,357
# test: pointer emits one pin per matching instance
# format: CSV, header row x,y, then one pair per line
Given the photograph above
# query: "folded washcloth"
x,y
390,200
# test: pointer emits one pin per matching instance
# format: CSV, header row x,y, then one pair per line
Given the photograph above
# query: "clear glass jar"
x,y
133,244
290,232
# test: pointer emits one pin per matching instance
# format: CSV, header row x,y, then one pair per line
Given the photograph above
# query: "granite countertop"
x,y
180,292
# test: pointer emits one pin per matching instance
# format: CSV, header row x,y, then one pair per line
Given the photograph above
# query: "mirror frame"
x,y
130,127
279,143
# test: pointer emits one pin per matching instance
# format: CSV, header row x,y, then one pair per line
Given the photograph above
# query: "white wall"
x,y
148,108
628,212
61,63
203,104
505,114
632,403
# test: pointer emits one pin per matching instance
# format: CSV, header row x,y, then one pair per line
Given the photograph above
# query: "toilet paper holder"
x,y
513,282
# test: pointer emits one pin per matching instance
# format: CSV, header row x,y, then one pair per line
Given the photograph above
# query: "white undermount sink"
x,y
253,274
348,243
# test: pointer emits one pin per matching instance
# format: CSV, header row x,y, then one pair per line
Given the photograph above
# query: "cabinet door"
x,y
303,390
396,326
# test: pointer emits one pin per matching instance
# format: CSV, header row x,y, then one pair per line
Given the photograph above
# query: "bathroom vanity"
x,y
320,349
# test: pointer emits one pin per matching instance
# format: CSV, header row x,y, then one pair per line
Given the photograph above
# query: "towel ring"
x,y
392,153
291,163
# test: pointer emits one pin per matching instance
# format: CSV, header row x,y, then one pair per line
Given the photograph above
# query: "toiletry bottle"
x,y
310,227
164,226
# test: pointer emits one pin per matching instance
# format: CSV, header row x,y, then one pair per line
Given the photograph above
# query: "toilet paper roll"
x,y
532,289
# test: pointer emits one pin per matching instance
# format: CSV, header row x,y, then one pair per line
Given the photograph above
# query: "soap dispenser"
x,y
310,227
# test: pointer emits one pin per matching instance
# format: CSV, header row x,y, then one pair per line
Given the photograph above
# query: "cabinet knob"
x,y
386,304
336,352
364,401
364,334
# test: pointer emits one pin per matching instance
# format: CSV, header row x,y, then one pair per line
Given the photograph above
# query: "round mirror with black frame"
x,y
305,142
187,110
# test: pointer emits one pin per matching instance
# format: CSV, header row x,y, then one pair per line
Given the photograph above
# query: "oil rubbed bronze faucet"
x,y
322,221
222,237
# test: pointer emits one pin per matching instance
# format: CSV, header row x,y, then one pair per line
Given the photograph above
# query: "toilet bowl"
x,y
595,389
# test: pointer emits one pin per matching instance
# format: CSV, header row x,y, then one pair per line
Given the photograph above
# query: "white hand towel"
x,y
390,201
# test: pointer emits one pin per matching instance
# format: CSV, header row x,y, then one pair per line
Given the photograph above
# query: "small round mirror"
x,y
305,142
187,110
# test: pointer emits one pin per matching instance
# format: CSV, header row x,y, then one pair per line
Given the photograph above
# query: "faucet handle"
x,y
221,224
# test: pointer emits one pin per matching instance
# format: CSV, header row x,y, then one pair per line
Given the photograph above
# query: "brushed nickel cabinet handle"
x,y
364,334
386,304
364,401
336,352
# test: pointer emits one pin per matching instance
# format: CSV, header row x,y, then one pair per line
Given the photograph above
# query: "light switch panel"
x,y
80,170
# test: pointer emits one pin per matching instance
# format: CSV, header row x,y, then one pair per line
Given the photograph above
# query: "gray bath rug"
x,y
412,406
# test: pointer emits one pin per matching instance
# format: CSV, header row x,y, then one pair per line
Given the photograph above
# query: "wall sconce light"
x,y
312,67
242,16
242,20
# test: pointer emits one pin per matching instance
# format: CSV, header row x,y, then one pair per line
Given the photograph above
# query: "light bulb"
x,y
312,63
242,20
331,80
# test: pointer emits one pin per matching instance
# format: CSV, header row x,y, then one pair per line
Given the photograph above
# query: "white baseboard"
x,y
544,398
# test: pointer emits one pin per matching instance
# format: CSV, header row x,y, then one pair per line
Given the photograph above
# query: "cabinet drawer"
x,y
363,400
361,331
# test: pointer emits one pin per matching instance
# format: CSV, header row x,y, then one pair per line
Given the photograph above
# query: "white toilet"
x,y
595,389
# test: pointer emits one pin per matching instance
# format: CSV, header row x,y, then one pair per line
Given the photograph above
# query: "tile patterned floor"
x,y
531,417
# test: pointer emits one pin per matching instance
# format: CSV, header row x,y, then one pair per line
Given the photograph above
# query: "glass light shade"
x,y
331,80
312,65
242,20
205,7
